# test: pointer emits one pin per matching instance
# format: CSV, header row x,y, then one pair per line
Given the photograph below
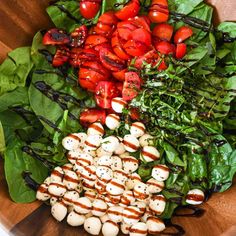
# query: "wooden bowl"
x,y
19,22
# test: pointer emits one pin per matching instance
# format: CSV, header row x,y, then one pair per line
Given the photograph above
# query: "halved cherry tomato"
x,y
125,29
74,57
56,37
131,86
134,48
61,57
117,48
92,115
165,47
120,75
163,31
158,12
182,34
110,60
89,8
102,45
78,36
95,40
142,36
141,22
134,113
130,9
181,50
104,92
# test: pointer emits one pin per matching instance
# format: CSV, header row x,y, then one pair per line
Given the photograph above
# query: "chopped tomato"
x,y
125,29
130,9
120,75
74,57
102,45
142,36
134,113
56,37
95,40
141,22
163,31
61,57
158,12
182,34
165,47
92,115
134,48
181,50
78,36
89,9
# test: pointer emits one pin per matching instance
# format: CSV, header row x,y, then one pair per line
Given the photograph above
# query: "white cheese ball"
x,y
141,191
100,186
141,206
47,181
93,142
157,204
121,175
195,197
104,173
71,142
88,185
66,167
88,173
115,187
110,228
116,163
155,225
74,219
42,193
89,151
130,164
93,225
120,149
84,160
83,205
91,195
160,172
112,200
131,143
138,229
57,174
59,211
53,200
82,136
133,179
110,144
146,215
95,128
70,180
124,228
127,198
131,215
155,186
115,213
149,154
137,129
57,189
146,140
104,218
118,104
99,208
101,152
73,155
70,197
105,161
112,121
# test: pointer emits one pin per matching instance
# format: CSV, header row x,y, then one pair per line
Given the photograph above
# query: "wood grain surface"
x,y
20,19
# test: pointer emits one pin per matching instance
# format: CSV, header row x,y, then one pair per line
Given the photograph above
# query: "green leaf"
x,y
2,139
228,27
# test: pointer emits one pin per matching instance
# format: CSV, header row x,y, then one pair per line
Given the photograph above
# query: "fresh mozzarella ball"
x,y
137,129
88,173
101,197
133,179
67,167
71,142
110,144
99,208
195,197
42,192
157,204
73,155
149,154
84,160
53,200
138,229
82,137
83,205
160,172
104,173
155,186
70,197
59,211
141,206
118,104
116,163
100,186
124,228
93,142
101,152
79,187
120,149
112,121
74,219
105,161
48,180
88,184
95,128
57,189
70,180
121,175
57,174
131,215
104,218
130,164
112,200
131,143
93,225
91,195
89,151
115,213
141,191
127,198
115,187
110,228
155,225
146,140
146,215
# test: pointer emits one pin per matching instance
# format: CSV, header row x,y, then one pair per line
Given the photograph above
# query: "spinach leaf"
x,y
228,27
2,139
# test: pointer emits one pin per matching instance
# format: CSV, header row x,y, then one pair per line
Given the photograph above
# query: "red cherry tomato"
x,y
165,47
131,86
117,47
182,34
74,57
89,8
95,40
78,36
110,60
61,57
120,75
181,50
131,9
134,48
142,36
125,29
56,37
141,22
163,31
92,115
134,113
158,12
90,73
104,92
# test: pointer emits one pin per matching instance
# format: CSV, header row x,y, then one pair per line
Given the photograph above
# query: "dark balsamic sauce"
x,y
219,143
183,211
176,230
46,54
30,182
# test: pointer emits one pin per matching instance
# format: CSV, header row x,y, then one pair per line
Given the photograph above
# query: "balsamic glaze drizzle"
x,y
30,182
195,211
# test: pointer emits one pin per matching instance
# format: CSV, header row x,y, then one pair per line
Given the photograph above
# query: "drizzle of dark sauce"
x,y
194,211
30,182
49,123
178,230
23,113
219,143
47,54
